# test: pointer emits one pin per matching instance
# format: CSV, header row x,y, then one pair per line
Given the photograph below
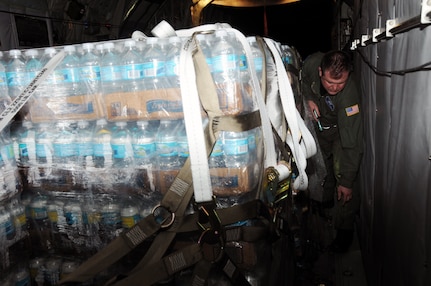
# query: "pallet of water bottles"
x,y
110,114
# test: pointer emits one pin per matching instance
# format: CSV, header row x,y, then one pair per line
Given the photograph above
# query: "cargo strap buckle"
x,y
212,239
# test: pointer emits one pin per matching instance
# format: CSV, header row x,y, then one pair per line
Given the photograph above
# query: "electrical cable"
x,y
424,67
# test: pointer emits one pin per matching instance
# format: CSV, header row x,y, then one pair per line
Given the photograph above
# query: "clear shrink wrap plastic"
x,y
104,138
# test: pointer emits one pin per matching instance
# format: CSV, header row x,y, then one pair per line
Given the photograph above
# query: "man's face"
x,y
332,85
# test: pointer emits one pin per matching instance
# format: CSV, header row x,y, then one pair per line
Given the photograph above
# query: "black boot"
x,y
342,241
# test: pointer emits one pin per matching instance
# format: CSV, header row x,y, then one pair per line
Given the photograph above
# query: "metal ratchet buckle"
x,y
212,239
161,215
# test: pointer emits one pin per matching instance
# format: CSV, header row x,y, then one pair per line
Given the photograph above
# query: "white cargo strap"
x,y
270,155
8,114
299,139
194,126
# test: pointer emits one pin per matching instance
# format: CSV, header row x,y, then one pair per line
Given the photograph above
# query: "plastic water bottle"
x,y
110,69
144,146
89,70
132,68
39,222
121,144
4,91
17,211
84,144
216,159
7,149
52,270
7,226
172,65
154,66
257,57
64,146
74,226
130,213
16,73
183,143
36,266
235,146
226,73
102,152
167,145
44,147
33,64
67,267
48,87
110,222
66,75
55,209
8,166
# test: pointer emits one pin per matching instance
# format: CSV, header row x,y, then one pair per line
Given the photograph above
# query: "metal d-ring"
x,y
160,218
209,238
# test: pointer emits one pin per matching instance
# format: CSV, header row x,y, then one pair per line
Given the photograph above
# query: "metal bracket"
x,y
426,12
378,34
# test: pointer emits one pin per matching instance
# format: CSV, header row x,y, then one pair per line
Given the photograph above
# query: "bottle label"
x,y
183,149
129,221
172,68
119,151
39,213
85,149
111,218
23,150
224,63
42,150
243,62
89,73
110,73
258,64
7,152
7,226
133,71
166,149
3,81
20,219
99,150
144,150
16,78
217,149
72,218
53,216
236,146
154,69
70,75
64,150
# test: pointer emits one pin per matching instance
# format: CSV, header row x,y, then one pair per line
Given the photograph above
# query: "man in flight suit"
x,y
333,99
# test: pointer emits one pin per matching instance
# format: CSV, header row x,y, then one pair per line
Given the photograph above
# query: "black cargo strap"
x,y
164,268
208,252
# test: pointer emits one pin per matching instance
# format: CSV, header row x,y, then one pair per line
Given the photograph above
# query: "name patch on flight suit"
x,y
352,110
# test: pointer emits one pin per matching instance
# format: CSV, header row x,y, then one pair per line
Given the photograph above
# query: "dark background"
x,y
305,25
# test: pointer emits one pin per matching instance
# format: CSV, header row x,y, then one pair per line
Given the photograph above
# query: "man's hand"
x,y
345,194
313,107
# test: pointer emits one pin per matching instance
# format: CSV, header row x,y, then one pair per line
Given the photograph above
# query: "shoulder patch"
x,y
352,110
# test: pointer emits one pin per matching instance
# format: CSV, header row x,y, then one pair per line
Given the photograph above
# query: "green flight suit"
x,y
341,139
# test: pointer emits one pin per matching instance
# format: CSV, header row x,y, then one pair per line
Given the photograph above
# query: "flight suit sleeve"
x,y
310,75
351,135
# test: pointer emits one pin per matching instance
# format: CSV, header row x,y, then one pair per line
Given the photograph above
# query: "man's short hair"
x,y
336,62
